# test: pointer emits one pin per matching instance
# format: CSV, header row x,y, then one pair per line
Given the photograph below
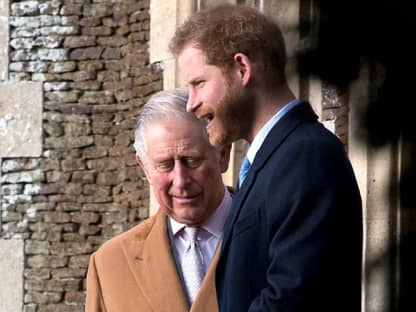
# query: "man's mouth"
x,y
208,119
185,199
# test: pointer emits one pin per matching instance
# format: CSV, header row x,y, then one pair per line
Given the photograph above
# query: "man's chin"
x,y
191,220
217,139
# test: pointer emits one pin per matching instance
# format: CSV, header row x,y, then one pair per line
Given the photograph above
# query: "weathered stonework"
x,y
335,111
82,186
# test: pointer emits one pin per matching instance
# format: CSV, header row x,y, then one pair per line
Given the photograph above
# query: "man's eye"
x,y
164,166
199,83
193,162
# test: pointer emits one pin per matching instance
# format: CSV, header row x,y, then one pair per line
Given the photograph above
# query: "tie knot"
x,y
191,232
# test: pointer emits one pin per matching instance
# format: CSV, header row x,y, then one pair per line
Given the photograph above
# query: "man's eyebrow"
x,y
195,79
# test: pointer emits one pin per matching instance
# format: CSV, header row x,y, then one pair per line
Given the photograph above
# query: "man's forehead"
x,y
191,55
180,149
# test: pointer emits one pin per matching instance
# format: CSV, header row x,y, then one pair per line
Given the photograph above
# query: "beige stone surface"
x,y
162,27
4,37
11,274
4,7
286,14
20,119
203,4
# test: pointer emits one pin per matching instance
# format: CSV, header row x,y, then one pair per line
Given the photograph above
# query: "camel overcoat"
x,y
136,271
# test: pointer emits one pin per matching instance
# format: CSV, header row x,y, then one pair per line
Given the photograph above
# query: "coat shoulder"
x,y
138,233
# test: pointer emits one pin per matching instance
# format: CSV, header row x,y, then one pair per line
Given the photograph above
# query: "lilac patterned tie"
x,y
192,264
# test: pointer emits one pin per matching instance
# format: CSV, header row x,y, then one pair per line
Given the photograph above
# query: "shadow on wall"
x,y
377,34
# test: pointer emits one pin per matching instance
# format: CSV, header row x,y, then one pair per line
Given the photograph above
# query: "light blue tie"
x,y
245,167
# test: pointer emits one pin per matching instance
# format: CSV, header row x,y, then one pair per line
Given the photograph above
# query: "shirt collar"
x,y
214,225
264,131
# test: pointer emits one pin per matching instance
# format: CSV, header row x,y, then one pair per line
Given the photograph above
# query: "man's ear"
x,y
244,67
141,163
225,157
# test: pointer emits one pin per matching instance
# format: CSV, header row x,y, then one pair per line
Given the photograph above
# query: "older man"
x,y
166,262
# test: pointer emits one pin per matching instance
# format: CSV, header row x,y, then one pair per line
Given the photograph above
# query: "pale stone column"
x,y
375,169
358,155
20,136
11,274
4,42
286,14
1,202
4,39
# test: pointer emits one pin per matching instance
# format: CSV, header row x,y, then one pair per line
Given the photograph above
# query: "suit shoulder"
x,y
316,134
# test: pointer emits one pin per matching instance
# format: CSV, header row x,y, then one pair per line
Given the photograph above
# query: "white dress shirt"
x,y
209,234
264,131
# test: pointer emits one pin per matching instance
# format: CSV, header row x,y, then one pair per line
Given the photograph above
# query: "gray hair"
x,y
161,105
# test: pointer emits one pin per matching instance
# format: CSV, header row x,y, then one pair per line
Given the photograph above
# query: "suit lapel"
x,y
300,113
152,264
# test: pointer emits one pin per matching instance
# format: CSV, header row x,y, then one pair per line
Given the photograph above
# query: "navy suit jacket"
x,y
293,240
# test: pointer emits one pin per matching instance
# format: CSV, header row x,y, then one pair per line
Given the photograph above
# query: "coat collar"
x,y
150,259
151,262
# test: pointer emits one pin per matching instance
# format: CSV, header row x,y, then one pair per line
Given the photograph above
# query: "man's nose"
x,y
193,102
180,174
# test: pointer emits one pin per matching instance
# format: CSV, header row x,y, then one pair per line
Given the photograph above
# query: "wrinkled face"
x,y
224,103
184,169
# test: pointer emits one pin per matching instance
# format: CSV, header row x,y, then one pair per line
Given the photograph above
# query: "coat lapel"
x,y
152,264
300,113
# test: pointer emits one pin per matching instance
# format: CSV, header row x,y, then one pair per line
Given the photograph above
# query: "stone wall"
x,y
92,58
335,110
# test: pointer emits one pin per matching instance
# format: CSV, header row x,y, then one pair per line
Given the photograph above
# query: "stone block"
x,y
78,76
96,31
95,152
44,261
25,8
111,54
24,176
69,142
59,30
37,247
75,297
11,189
71,9
83,176
11,272
9,165
90,21
79,41
70,249
48,41
43,297
57,217
20,119
49,8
